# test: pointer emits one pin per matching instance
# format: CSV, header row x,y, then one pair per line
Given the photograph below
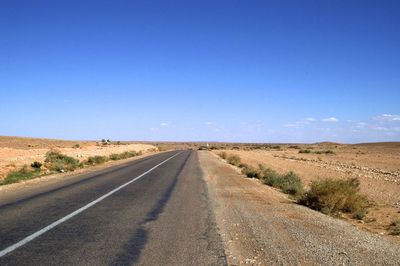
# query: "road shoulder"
x,y
261,226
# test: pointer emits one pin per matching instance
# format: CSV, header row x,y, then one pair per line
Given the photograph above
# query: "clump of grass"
x,y
394,227
56,161
325,152
290,183
234,160
19,175
129,154
124,155
115,157
250,171
305,151
332,196
92,160
223,155
76,146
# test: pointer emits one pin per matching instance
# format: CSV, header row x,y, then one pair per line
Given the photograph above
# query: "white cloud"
x,y
301,123
209,123
378,128
387,118
330,119
164,124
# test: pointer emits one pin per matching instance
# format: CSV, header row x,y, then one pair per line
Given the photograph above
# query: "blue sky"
x,y
248,71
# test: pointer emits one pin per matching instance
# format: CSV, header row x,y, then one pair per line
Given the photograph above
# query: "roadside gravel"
x,y
261,226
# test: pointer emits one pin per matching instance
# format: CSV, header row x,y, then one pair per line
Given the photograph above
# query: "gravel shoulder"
x,y
261,226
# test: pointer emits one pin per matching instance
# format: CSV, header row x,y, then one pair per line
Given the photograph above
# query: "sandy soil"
x,y
15,152
376,165
261,226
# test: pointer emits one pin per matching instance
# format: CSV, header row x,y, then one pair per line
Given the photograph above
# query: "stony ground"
x,y
261,226
377,166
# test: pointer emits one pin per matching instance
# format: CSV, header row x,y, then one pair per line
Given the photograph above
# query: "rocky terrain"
x,y
377,166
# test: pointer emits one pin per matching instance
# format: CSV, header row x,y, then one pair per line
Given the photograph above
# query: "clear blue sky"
x,y
249,71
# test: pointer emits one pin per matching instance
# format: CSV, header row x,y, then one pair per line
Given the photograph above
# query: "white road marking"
x,y
72,214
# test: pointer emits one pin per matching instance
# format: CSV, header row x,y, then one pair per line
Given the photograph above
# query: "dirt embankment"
x,y
261,226
376,166
16,152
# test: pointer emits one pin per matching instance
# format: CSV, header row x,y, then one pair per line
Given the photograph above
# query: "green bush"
x,y
234,160
19,175
57,161
332,196
92,160
394,227
270,177
304,151
289,183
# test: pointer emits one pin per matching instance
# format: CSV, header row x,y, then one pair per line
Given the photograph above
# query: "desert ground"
x,y
16,151
376,165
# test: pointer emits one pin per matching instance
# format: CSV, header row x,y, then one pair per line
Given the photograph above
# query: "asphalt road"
x,y
116,216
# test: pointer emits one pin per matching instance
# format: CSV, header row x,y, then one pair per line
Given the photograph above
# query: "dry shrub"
x,y
234,160
332,196
394,228
250,171
223,155
92,160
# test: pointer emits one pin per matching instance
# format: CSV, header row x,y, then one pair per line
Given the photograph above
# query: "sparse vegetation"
x,y
19,175
317,152
250,171
294,147
234,160
115,157
394,227
332,196
92,160
56,161
223,155
76,146
289,183
324,152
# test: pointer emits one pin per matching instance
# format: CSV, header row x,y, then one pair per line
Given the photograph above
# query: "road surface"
x,y
153,211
